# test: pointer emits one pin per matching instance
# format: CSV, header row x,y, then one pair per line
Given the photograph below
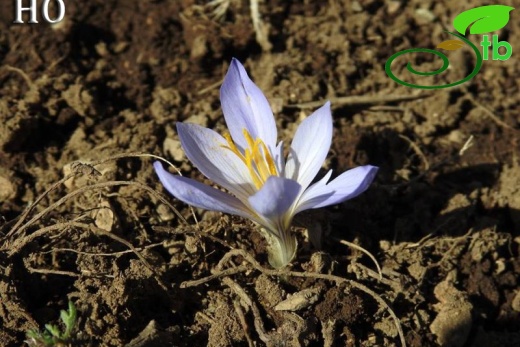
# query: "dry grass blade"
x,y
336,279
360,100
466,146
191,230
79,191
491,114
27,211
364,251
19,236
89,169
259,325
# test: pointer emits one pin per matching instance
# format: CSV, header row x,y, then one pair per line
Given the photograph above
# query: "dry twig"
x,y
284,273
364,251
360,100
490,113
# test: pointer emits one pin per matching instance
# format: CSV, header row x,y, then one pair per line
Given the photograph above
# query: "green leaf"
x,y
54,330
52,335
33,334
39,339
69,319
485,18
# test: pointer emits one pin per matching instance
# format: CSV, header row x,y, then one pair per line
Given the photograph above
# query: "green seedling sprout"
x,y
52,335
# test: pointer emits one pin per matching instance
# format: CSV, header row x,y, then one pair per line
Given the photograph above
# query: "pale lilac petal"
x,y
346,186
310,146
245,107
279,159
200,195
274,200
207,150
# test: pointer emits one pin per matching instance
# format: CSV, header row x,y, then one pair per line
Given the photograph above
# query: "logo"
x,y
32,9
483,20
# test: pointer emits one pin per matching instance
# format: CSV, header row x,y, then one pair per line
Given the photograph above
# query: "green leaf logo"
x,y
450,45
485,18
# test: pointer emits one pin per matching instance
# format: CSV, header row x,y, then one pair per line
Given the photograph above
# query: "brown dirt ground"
x,y
115,76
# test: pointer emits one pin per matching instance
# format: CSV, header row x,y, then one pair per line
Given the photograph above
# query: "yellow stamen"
x,y
254,175
256,156
232,147
270,161
261,159
249,139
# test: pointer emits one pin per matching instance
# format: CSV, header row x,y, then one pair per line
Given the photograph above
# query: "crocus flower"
x,y
261,183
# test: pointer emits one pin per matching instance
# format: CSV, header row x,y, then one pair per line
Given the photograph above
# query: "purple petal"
x,y
245,107
207,150
346,186
200,195
310,146
279,159
274,200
